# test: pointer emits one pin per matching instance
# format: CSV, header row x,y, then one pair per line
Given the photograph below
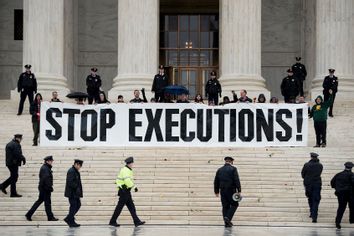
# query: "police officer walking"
x,y
27,87
213,89
14,158
159,84
330,82
300,74
311,173
289,87
73,191
93,83
343,184
125,184
45,188
226,183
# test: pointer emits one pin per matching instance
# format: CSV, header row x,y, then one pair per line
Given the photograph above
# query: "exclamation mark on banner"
x,y
299,121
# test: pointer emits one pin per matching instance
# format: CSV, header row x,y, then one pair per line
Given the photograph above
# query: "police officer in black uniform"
x,y
26,86
213,89
289,87
226,183
93,83
159,84
300,74
343,184
330,82
311,173
14,158
45,188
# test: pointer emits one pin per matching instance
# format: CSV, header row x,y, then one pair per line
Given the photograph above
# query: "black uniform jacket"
x,y
45,178
227,178
14,155
311,172
73,187
343,182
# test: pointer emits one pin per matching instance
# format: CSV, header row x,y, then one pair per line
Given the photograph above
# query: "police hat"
x,y
18,135
77,161
161,67
48,158
313,154
298,58
228,159
349,165
213,73
331,70
129,160
94,69
289,70
28,66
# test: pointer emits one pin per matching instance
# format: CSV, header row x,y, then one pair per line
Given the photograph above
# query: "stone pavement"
x,y
172,231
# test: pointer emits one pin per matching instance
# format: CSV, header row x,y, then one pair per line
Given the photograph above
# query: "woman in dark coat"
x,y
35,112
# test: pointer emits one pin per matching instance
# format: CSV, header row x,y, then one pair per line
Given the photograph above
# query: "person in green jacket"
x,y
319,115
125,183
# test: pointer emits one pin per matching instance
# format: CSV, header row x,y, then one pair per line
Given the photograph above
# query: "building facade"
x,y
250,43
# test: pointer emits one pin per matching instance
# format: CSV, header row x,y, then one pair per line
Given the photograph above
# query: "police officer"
x,y
159,84
343,184
300,74
73,191
213,89
125,184
93,83
330,82
26,86
14,158
226,183
311,173
45,188
289,87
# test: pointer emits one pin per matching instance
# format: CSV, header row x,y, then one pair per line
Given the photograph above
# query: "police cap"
x,y
349,165
213,73
228,159
298,58
289,70
313,154
77,161
94,69
18,135
28,66
48,158
331,70
129,160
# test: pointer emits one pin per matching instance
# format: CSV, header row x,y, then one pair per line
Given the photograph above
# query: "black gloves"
x,y
24,161
136,189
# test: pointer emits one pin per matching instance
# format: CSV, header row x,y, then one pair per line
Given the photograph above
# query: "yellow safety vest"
x,y
125,177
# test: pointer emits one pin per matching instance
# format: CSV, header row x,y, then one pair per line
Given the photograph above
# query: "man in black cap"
x,y
330,82
213,89
125,183
93,83
27,87
311,173
300,74
45,188
14,159
289,87
343,184
227,183
73,191
159,84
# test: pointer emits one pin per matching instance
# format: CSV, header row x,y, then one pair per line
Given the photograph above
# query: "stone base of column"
x,y
345,88
46,84
125,84
253,84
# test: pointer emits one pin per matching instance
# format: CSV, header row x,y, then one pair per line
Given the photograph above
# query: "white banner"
x,y
183,125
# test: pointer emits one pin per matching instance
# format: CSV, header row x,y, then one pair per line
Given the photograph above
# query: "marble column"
x,y
240,47
138,47
44,46
335,46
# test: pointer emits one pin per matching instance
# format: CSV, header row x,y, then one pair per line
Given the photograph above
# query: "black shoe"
x,y
330,115
28,217
53,219
67,221
139,223
16,195
228,222
74,225
316,146
3,189
228,226
35,144
114,224
323,145
338,226
19,114
314,220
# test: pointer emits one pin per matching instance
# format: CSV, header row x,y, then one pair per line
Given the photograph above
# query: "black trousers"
x,y
345,199
23,95
313,194
321,132
301,86
12,180
229,206
93,96
289,99
35,126
326,98
159,97
75,205
44,196
125,199
213,98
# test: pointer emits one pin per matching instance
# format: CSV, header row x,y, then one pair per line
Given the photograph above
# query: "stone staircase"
x,y
176,184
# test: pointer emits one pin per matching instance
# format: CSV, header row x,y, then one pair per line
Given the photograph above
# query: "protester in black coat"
x,y
14,159
330,82
289,87
343,184
35,112
45,188
73,191
311,173
26,86
227,182
159,84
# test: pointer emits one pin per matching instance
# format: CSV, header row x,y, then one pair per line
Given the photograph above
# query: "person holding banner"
x,y
319,115
227,183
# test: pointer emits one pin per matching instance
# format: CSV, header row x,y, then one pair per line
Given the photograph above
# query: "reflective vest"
x,y
125,178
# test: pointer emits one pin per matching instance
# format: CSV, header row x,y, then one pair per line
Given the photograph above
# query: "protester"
x,y
102,98
55,97
301,100
213,89
198,99
243,97
225,100
159,84
274,100
93,83
35,112
183,98
27,87
261,98
137,98
330,83
120,99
